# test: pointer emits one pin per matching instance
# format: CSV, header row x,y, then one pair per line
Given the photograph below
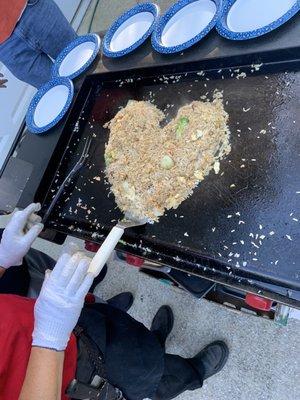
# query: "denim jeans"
x,y
135,362
40,35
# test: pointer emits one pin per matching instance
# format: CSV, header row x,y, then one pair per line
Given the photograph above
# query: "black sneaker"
x,y
212,359
122,301
99,278
162,324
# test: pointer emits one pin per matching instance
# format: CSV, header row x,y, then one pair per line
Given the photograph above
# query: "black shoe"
x,y
122,301
212,359
162,324
99,278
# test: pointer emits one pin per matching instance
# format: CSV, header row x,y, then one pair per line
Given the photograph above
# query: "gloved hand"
x,y
15,243
2,82
60,302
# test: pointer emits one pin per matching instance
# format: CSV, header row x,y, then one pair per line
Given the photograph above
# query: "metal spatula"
x,y
74,171
111,241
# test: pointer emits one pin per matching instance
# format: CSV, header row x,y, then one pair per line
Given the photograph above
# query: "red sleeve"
x,y
16,325
10,13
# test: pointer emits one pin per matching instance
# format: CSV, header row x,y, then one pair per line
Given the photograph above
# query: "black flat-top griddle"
x,y
241,226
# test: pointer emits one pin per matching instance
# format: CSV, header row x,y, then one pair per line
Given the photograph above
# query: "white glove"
x,y
60,302
15,243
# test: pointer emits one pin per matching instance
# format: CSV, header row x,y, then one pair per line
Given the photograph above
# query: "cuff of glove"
x,y
50,340
6,263
47,348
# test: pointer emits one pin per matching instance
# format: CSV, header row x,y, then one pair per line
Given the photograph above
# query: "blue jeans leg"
x,y
25,62
40,35
46,27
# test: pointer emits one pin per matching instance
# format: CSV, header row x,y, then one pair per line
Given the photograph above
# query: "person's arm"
x,y
2,271
56,313
44,375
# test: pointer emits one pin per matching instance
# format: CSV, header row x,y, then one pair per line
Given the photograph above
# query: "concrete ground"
x,y
105,11
264,361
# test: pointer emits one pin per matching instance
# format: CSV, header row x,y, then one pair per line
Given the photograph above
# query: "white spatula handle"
x,y
105,250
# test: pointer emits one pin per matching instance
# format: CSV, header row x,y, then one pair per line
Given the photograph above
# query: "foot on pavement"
x,y
162,324
122,301
212,359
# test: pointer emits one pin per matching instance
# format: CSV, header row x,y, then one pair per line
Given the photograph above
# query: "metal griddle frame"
x,y
194,264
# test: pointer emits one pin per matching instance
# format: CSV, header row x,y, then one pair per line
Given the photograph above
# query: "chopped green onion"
x,y
182,124
109,157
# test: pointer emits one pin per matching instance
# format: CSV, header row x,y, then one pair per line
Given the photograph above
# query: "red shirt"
x,y
10,12
16,326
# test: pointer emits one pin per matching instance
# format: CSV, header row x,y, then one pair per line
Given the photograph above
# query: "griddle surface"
x,y
247,217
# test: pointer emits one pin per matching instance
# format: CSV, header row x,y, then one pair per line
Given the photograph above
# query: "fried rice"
x,y
152,169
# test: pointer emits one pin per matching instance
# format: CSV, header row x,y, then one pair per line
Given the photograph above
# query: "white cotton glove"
x,y
16,242
60,302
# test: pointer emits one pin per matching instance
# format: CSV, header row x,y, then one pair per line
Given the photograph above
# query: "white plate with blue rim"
x,y
184,24
77,56
130,30
248,19
49,105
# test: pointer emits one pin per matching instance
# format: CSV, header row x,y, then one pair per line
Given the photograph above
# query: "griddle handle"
x,y
105,250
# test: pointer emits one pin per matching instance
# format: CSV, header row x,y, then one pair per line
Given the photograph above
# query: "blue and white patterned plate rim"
x,y
224,31
32,127
156,35
150,7
92,37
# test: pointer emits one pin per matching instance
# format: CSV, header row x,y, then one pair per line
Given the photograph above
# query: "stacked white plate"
x,y
53,100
